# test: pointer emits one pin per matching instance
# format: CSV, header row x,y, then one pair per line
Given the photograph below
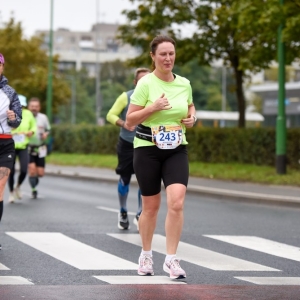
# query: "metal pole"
x,y
223,93
281,119
50,67
97,68
73,105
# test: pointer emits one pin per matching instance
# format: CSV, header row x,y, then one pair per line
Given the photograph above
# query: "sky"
x,y
76,15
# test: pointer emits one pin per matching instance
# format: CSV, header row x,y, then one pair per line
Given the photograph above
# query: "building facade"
x,y
79,49
269,94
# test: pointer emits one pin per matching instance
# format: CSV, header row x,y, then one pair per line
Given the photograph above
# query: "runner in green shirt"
x,y
21,137
162,107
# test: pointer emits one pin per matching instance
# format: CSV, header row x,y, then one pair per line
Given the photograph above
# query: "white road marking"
x,y
114,210
272,280
138,280
197,255
72,252
14,280
261,245
3,268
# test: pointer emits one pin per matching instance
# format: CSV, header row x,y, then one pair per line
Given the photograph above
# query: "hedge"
x,y
216,145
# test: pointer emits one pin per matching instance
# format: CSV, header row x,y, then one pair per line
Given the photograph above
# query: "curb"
x,y
222,194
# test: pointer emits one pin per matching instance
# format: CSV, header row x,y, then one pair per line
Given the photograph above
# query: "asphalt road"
x,y
66,245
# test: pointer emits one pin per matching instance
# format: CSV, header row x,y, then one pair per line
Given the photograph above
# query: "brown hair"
x,y
140,70
158,40
35,99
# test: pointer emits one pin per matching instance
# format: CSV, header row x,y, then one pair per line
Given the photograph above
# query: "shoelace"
x,y
147,261
175,263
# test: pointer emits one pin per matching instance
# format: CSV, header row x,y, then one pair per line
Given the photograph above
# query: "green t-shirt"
x,y
28,124
179,94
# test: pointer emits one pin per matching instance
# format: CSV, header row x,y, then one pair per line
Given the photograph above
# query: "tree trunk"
x,y
240,97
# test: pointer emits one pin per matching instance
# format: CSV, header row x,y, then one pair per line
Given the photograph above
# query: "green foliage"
x,y
26,66
212,145
242,33
116,77
251,146
85,138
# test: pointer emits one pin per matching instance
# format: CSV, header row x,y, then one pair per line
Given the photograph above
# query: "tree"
x,y
214,34
26,66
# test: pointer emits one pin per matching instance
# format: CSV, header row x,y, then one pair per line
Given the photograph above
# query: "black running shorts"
x,y
151,165
125,158
7,153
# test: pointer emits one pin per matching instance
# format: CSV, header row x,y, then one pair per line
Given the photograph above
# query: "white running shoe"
x,y
173,268
145,265
11,198
18,193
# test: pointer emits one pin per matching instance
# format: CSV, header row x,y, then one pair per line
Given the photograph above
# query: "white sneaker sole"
x,y
122,228
166,269
145,274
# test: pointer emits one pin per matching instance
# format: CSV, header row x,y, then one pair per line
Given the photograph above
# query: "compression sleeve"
x,y
117,108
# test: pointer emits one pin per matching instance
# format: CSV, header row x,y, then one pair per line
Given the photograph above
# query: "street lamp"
x,y
50,67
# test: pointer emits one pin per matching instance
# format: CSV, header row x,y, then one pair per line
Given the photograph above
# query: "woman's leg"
x,y
147,220
4,174
11,180
174,220
24,160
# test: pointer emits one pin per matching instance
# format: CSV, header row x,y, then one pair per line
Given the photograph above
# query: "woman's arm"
x,y
137,114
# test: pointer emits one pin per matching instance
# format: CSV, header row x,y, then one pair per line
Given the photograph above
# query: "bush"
x,y
216,145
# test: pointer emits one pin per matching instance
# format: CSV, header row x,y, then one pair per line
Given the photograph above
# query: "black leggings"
x,y
151,165
23,159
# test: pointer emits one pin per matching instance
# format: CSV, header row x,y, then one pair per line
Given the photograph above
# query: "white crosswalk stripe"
x,y
3,268
72,252
114,210
138,280
272,280
197,255
14,280
261,245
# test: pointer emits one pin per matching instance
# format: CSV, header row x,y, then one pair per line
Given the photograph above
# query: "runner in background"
x,y
37,146
21,137
116,116
10,117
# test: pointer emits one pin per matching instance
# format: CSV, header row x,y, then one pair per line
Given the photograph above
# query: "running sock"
x,y
169,257
139,202
123,194
33,182
1,209
146,252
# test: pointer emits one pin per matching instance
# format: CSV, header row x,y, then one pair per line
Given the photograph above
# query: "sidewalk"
x,y
279,195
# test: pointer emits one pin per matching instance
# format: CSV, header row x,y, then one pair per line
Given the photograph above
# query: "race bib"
x,y
167,136
42,151
19,138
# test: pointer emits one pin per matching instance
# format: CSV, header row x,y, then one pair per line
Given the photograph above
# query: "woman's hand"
x,y
162,103
11,115
189,121
29,134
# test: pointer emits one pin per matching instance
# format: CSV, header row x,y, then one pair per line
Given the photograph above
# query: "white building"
x,y
79,49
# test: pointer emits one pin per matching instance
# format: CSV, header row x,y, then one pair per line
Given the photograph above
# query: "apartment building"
x,y
81,49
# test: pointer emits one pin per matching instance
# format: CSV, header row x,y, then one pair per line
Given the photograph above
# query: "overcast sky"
x,y
76,15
